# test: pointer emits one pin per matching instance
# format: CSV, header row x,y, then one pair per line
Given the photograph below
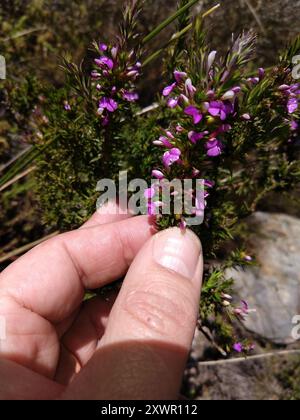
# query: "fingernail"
x,y
178,251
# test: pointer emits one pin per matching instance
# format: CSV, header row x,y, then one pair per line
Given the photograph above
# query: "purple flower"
x,y
169,89
171,157
295,88
220,109
105,62
157,174
284,88
195,113
151,209
105,121
292,105
183,224
210,94
224,128
294,125
238,347
169,134
195,172
103,47
253,80
179,76
67,106
236,89
195,137
200,204
261,73
245,307
130,96
109,104
165,142
243,311
149,193
190,89
133,74
208,183
214,148
95,74
173,102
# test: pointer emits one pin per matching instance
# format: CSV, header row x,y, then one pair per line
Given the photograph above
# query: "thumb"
x,y
150,330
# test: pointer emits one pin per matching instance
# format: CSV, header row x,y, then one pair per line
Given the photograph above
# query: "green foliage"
x,y
69,165
17,102
77,150
288,377
33,33
215,285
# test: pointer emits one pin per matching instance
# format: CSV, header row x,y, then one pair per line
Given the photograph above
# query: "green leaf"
x,y
168,21
177,36
292,51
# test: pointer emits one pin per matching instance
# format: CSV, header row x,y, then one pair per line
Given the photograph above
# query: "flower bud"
x,y
211,59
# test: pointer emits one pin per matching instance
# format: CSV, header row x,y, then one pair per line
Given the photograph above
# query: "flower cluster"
x,y
292,97
240,313
175,155
213,111
206,116
207,113
243,311
243,347
292,93
295,133
113,79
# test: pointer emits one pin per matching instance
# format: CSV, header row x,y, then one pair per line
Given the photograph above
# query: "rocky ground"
x,y
272,287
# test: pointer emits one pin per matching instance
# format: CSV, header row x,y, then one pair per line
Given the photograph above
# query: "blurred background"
x,y
34,34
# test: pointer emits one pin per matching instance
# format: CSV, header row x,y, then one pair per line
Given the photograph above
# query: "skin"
x,y
131,346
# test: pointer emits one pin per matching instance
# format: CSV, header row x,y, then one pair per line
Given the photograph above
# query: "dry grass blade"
x,y
17,252
17,178
255,15
25,33
14,159
249,358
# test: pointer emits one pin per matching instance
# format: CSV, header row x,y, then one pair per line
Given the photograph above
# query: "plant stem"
x,y
17,178
210,11
168,21
178,35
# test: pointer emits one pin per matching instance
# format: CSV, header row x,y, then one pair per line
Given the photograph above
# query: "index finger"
x,y
51,279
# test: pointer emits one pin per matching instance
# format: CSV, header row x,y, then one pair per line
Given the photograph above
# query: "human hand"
x,y
131,346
